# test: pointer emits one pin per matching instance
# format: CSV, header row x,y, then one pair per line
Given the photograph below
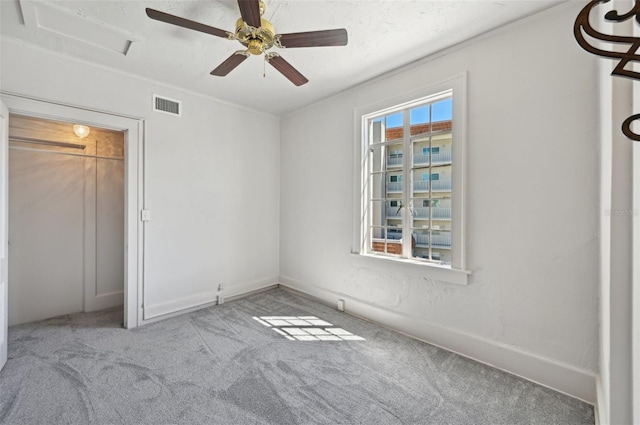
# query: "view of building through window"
x,y
409,180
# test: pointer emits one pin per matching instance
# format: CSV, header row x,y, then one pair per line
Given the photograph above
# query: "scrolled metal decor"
x,y
631,55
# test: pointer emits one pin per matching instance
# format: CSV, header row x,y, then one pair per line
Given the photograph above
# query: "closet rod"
x,y
81,155
46,142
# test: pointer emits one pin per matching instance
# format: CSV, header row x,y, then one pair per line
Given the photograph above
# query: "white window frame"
x,y
456,272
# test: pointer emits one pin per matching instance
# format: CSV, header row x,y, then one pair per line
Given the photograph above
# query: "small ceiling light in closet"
x,y
81,131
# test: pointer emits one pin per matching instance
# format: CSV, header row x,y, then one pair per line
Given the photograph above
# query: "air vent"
x,y
167,106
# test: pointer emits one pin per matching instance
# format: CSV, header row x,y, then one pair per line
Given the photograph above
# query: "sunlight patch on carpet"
x,y
306,328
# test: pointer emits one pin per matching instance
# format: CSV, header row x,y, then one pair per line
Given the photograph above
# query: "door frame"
x,y
4,233
635,287
134,183
635,284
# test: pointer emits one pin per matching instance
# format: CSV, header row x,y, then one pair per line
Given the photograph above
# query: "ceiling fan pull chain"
x,y
264,68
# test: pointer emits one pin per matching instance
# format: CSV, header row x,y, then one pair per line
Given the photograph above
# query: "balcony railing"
x,y
394,186
392,212
436,186
437,241
422,186
394,235
443,157
437,213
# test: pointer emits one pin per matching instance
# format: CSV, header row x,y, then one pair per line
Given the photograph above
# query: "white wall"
x,y
46,235
66,251
212,180
532,207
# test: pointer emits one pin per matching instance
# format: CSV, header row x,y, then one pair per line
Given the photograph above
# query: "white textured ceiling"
x,y
383,35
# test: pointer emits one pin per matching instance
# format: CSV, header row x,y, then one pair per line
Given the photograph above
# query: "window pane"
x,y
421,178
394,123
376,159
391,244
420,115
394,183
442,110
441,179
386,226
377,215
377,186
394,241
420,120
376,131
421,152
394,120
377,241
394,156
394,213
432,245
431,213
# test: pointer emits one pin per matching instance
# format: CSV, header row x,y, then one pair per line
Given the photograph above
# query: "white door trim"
x,y
4,233
635,260
134,171
635,288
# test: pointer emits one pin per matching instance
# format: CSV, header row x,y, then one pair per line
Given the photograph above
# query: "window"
x,y
431,203
422,219
434,176
395,158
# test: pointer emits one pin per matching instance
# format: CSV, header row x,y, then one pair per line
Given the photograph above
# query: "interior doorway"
x,y
66,215
132,129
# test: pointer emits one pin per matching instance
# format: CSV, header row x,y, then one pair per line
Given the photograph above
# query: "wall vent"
x,y
167,106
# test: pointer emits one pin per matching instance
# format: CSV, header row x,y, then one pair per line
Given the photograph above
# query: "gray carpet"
x,y
221,366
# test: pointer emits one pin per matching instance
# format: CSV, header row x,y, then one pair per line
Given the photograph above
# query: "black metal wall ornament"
x,y
631,55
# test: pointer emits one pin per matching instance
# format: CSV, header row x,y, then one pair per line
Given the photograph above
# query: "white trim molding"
x,y
133,128
457,86
635,308
204,299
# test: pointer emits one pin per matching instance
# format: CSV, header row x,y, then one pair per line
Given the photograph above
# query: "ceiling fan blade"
x,y
230,63
286,69
250,12
185,23
337,37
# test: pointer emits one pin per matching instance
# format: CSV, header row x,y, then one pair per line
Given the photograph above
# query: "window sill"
x,y
431,272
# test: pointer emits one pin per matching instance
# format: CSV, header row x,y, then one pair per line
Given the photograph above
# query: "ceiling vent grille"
x,y
167,106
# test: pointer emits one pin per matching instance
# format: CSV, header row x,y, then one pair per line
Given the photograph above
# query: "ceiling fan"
x,y
258,35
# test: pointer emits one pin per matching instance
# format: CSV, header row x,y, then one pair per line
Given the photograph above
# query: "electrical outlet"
x,y
220,299
221,287
340,305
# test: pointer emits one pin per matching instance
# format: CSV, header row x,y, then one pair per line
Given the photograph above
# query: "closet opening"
x,y
66,219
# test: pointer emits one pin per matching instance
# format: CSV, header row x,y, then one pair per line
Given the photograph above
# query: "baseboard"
x,y
602,404
238,296
205,299
562,377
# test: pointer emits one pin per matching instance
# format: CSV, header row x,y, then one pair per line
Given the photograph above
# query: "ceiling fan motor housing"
x,y
257,40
